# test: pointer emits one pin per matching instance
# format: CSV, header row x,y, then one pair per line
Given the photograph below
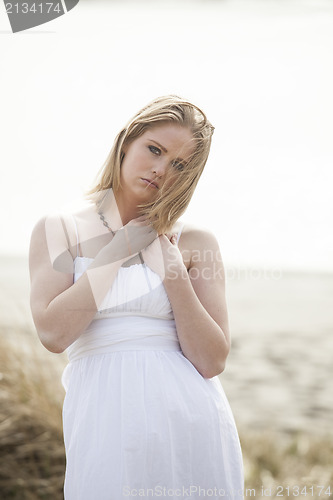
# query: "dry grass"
x,y
31,443
275,462
31,446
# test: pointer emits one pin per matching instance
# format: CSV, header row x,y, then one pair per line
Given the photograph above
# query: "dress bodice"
x,y
136,290
135,314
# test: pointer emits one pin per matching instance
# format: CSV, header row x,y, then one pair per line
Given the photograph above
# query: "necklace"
x,y
105,223
101,216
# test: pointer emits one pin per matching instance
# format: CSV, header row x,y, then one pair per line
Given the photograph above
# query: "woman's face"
x,y
154,158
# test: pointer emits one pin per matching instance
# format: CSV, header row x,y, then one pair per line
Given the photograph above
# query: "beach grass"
x,y
31,445
32,449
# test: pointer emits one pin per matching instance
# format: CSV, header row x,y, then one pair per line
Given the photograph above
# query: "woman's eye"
x,y
155,150
177,165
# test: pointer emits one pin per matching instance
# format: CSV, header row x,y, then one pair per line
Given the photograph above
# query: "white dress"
x,y
138,419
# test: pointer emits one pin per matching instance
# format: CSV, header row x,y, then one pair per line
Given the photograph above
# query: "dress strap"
x,y
77,236
180,232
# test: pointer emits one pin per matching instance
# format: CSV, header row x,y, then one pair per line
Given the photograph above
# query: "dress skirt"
x,y
140,421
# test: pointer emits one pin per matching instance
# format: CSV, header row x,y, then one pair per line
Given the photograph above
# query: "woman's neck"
x,y
124,206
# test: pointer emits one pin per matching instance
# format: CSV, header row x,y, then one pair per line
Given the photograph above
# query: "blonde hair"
x,y
171,200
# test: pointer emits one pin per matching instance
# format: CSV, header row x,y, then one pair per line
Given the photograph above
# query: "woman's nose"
x,y
160,168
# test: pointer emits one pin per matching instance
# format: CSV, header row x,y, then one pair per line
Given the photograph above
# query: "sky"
x,y
262,72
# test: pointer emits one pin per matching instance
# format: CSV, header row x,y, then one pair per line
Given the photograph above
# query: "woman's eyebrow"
x,y
164,149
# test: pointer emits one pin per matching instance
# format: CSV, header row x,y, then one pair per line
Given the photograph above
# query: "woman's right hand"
x,y
129,240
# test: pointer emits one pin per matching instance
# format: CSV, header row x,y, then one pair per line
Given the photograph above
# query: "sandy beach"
x,y
278,374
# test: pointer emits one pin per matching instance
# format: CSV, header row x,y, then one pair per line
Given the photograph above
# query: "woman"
x,y
137,300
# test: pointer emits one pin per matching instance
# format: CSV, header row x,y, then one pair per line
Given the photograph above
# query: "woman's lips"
x,y
150,183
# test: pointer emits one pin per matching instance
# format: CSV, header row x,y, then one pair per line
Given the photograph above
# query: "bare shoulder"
x,y
197,237
198,245
44,224
58,231
49,240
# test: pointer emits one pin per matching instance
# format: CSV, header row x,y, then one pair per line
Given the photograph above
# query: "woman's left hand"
x,y
164,258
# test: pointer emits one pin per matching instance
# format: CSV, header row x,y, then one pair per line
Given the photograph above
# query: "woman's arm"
x,y
62,310
197,297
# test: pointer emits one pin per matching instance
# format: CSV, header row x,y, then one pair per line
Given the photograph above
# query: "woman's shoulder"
x,y
197,244
52,220
195,236
192,230
57,227
46,223
66,218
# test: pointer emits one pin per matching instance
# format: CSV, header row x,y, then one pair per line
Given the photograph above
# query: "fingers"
x,y
141,220
173,239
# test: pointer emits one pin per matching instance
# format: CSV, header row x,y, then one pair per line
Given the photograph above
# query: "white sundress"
x,y
138,419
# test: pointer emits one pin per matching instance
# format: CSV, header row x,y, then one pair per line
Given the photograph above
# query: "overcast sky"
x,y
262,71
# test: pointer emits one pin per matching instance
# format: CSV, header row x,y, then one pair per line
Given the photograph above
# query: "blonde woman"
x,y
136,298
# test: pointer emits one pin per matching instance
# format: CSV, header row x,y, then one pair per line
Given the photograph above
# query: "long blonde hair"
x,y
171,200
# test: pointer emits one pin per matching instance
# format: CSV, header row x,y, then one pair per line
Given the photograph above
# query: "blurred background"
x,y
263,73
261,70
